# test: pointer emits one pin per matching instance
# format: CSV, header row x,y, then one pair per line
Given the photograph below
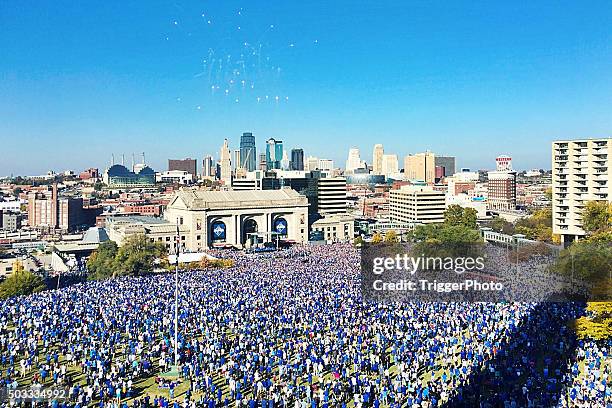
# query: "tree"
x,y
137,256
585,260
457,215
597,325
597,216
600,237
377,238
453,215
446,234
442,240
424,232
498,224
548,193
21,282
391,237
101,264
358,241
538,226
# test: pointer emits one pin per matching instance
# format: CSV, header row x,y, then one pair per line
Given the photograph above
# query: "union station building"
x,y
209,219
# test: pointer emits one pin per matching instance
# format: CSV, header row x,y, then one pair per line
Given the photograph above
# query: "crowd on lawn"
x,y
290,329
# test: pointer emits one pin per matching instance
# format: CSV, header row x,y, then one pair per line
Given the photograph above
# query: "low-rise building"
x,y
174,177
218,218
10,221
335,227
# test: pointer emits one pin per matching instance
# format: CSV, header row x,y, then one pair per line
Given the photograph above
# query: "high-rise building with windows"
x,y
236,160
447,163
262,164
248,152
46,210
580,173
390,165
208,170
331,195
414,203
353,161
285,162
377,159
420,166
274,153
189,165
226,165
501,190
501,185
297,159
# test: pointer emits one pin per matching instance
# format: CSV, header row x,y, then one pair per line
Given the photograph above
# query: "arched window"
x,y
217,231
248,228
280,226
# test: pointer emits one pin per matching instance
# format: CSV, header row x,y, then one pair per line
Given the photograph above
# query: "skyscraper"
x,y
326,165
311,163
447,163
297,159
207,167
262,162
580,173
377,159
420,166
248,152
189,165
285,161
354,161
501,190
226,165
390,165
236,160
274,153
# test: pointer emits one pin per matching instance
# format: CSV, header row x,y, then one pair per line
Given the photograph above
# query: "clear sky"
x,y
80,80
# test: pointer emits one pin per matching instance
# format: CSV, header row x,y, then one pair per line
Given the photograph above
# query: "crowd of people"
x,y
290,329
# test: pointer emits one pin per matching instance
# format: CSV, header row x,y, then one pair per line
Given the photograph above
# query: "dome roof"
x,y
118,170
146,170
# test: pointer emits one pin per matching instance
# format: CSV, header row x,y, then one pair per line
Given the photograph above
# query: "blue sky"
x,y
82,80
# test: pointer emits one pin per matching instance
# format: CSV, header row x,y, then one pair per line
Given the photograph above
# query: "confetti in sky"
x,y
236,54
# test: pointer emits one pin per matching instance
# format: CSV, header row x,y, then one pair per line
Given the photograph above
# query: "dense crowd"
x,y
290,329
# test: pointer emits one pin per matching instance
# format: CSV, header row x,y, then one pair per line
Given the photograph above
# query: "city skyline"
x,y
469,80
162,164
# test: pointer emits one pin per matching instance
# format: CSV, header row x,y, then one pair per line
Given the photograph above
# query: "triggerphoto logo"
x,y
426,271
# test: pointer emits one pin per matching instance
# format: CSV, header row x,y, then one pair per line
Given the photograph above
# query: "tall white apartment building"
x,y
420,204
580,173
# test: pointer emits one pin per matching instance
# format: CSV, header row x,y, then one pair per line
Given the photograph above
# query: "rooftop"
x,y
203,199
135,219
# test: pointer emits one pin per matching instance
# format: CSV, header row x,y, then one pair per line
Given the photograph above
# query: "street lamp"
x,y
174,371
178,246
517,238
